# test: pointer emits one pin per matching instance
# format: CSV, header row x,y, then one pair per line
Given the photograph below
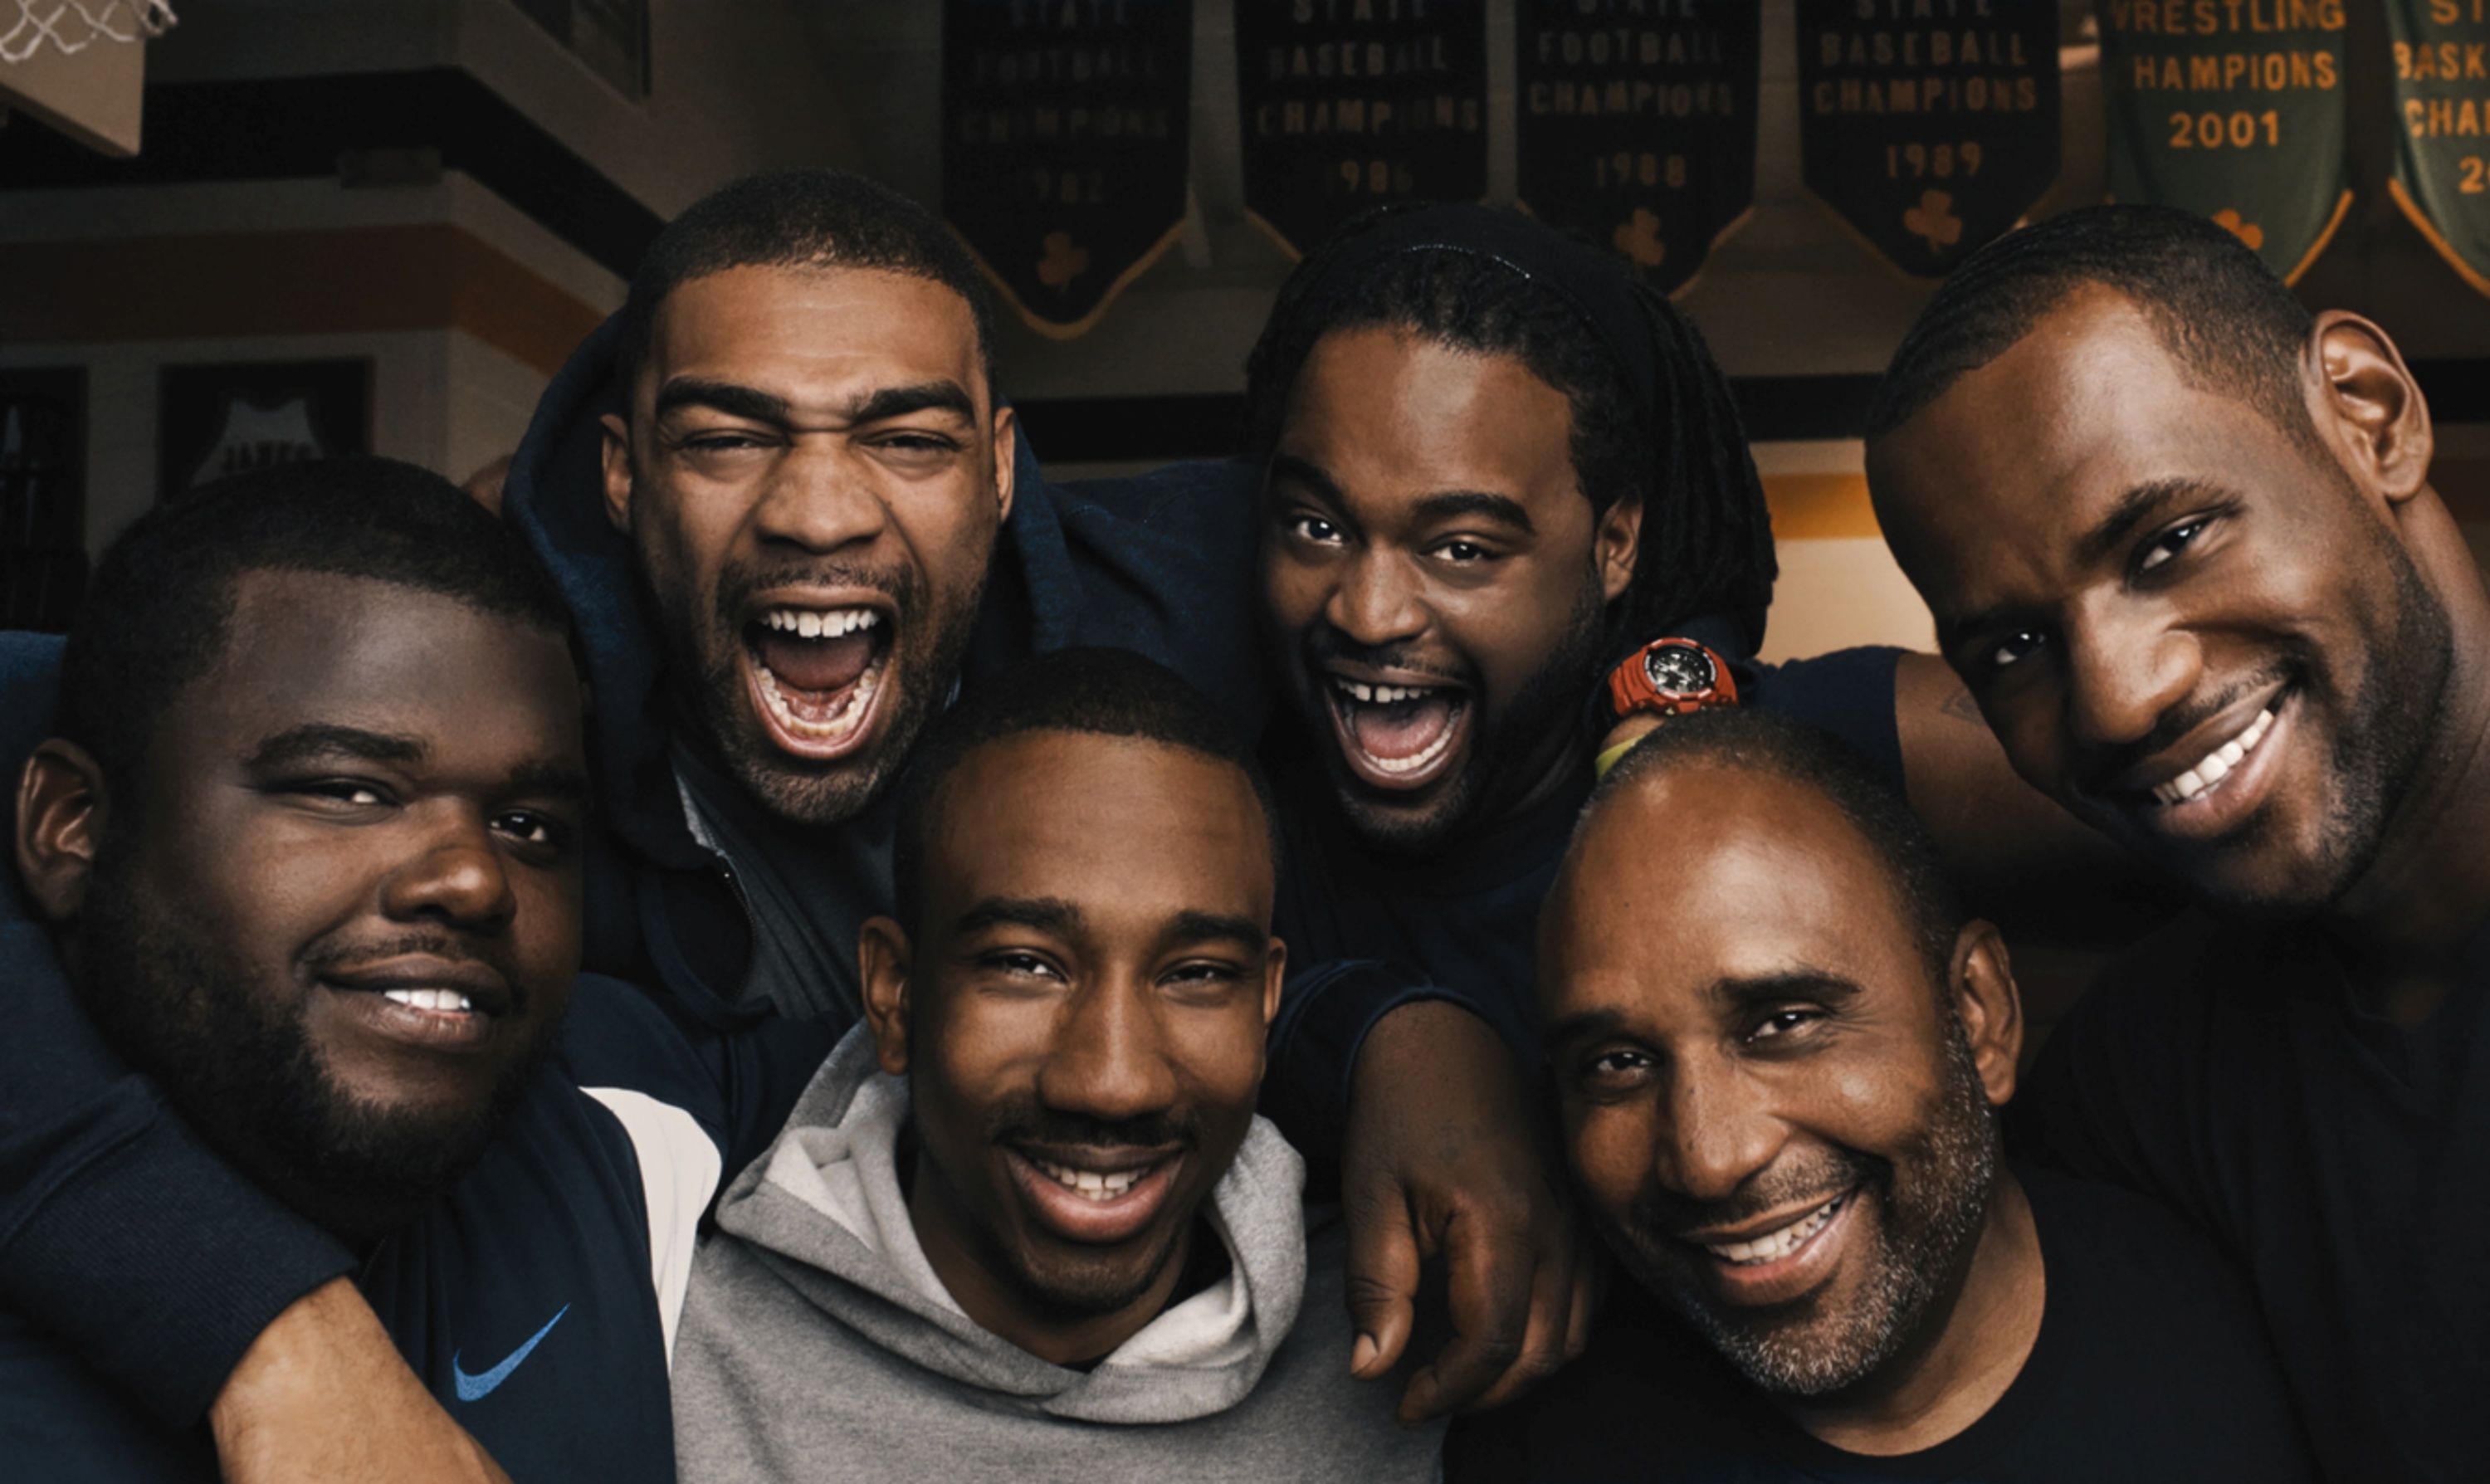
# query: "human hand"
x,y
1443,1162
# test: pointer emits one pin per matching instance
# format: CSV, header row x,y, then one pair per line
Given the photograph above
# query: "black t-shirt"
x,y
1465,919
2150,1365
2342,1159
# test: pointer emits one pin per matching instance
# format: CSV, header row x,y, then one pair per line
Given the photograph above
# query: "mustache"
x,y
2104,766
433,944
898,582
1024,1120
1324,643
1658,1211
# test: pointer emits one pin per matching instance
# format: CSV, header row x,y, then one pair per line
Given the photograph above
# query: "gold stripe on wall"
x,y
433,275
1819,506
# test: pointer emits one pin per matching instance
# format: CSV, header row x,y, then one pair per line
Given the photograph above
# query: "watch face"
x,y
1679,670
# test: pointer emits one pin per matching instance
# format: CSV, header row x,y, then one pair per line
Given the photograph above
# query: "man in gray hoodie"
x,y
1026,1224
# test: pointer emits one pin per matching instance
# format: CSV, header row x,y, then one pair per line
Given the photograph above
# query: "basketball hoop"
x,y
71,26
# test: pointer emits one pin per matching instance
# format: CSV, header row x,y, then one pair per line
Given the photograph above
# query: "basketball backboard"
x,y
80,66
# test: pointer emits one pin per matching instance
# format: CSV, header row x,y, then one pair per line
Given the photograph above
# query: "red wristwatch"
x,y
1670,678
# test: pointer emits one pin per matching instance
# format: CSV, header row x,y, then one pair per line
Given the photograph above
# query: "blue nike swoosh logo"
x,y
474,1389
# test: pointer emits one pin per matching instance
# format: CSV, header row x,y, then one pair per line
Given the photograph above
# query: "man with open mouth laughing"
x,y
2179,542
1026,1224
1778,1047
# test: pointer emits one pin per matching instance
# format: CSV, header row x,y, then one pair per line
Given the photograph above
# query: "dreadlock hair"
x,y
1104,693
158,615
1707,539
800,219
1775,746
2223,314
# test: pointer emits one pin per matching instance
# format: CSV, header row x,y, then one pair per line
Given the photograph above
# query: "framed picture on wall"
x,y
212,421
43,496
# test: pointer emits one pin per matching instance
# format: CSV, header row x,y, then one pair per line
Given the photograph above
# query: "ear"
x,y
1006,460
1616,546
881,963
1275,973
1991,1007
2368,400
618,471
60,826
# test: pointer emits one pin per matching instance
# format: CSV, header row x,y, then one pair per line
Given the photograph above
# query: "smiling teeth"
x,y
430,999
1090,1184
814,623
1773,1246
1381,695
2217,765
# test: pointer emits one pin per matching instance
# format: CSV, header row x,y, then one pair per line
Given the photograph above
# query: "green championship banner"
x,y
1065,130
1636,124
2442,50
1929,127
1346,104
2233,108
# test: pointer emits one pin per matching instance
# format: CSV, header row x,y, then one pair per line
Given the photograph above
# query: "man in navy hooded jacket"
x,y
789,518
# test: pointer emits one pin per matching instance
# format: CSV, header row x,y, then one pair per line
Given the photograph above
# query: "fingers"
x,y
1491,1281
1382,1281
1550,1326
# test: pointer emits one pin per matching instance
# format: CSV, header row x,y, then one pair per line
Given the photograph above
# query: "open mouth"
x,y
816,674
1106,1198
2220,788
1785,1262
1397,736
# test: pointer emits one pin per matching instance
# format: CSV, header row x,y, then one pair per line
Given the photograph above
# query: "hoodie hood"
x,y
826,1208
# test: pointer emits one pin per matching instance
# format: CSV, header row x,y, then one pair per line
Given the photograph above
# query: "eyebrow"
x,y
1746,992
2133,508
737,401
1453,503
548,780
1221,927
1047,914
1444,505
1584,1025
316,739
2137,507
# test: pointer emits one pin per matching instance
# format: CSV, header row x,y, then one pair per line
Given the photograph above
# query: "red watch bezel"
x,y
1631,688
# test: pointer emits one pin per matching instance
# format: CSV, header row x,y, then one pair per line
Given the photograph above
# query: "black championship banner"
x,y
1636,124
2233,108
1065,128
2441,177
1346,104
1929,127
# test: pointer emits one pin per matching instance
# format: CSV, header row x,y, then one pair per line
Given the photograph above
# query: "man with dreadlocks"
x,y
1495,464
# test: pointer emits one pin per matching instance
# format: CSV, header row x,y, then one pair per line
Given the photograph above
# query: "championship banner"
x,y
2234,110
2442,50
1346,104
1637,125
1065,137
1929,127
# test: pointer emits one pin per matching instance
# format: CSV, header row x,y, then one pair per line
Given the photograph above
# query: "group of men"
x,y
797,947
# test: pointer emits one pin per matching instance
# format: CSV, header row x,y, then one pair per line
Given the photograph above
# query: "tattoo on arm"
x,y
1962,708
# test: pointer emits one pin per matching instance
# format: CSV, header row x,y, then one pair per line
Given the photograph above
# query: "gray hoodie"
x,y
817,1343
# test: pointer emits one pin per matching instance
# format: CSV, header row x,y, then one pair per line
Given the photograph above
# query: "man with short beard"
x,y
1777,1047
2179,542
308,833
1027,1225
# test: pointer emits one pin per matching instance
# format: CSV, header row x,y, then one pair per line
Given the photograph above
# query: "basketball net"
x,y
74,25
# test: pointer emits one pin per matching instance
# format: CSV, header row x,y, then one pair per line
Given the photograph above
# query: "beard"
x,y
238,1063
706,658
2378,751
1929,1206
1503,767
